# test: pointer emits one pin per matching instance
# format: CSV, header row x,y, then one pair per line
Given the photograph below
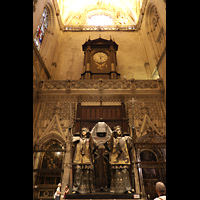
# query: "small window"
x,y
155,74
100,20
39,35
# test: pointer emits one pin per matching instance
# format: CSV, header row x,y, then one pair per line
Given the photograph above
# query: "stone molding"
x,y
101,84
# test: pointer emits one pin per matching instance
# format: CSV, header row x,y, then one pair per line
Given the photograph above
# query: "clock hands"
x,y
100,57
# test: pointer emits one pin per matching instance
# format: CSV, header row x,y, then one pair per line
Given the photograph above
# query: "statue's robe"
x,y
120,163
83,162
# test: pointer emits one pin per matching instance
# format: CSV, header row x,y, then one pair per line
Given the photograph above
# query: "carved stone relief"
x,y
51,105
101,84
155,17
151,107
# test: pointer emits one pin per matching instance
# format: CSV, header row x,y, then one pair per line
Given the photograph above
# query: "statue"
x,y
101,133
118,146
85,147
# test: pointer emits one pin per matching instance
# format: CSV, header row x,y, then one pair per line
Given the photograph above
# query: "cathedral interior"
x,y
99,98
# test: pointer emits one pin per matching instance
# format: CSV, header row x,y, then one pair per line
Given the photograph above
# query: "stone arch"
x,y
148,149
152,19
155,150
51,17
156,35
150,169
51,135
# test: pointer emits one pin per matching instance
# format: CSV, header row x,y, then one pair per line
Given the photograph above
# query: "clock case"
x,y
95,70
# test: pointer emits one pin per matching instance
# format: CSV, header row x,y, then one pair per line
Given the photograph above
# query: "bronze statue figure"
x,y
85,147
102,145
118,146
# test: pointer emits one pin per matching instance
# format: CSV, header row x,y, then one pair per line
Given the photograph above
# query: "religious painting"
x,y
50,161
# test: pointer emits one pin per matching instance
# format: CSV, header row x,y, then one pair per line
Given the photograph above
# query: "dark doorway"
x,y
152,172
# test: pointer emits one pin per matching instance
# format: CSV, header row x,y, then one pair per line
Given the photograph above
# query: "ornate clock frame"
x,y
100,59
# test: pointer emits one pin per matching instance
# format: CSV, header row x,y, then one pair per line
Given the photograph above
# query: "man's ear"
x,y
157,192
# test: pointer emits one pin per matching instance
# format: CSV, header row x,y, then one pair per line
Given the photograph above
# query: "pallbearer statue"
x,y
118,146
85,147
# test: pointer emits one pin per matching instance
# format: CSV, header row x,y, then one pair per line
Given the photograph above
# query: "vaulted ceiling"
x,y
122,12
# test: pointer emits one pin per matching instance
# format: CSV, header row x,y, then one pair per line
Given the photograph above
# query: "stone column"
x,y
87,65
66,167
36,162
135,170
112,61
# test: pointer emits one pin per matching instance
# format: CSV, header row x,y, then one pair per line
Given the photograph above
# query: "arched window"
x,y
39,35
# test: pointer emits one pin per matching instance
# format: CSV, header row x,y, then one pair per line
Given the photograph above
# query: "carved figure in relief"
x,y
85,147
118,146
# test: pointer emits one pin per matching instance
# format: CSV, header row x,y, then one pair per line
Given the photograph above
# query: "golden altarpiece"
x,y
102,135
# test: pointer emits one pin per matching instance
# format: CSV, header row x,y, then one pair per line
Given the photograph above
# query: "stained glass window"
x,y
39,35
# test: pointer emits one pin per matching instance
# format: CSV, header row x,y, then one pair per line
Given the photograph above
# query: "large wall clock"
x,y
100,59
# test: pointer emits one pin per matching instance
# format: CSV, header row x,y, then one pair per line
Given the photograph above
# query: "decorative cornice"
x,y
101,84
102,87
100,28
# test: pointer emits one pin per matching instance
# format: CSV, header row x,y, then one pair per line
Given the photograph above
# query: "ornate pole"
x,y
132,101
70,138
67,175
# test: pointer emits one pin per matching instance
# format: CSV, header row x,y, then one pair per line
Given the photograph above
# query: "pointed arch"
x,y
53,131
51,17
156,36
147,121
49,136
151,23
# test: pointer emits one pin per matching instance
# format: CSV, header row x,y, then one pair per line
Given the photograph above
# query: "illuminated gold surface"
x,y
76,12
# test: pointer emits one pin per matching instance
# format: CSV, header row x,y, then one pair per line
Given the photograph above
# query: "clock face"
x,y
100,57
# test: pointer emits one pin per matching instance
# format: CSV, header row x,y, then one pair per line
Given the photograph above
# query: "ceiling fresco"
x,y
114,12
